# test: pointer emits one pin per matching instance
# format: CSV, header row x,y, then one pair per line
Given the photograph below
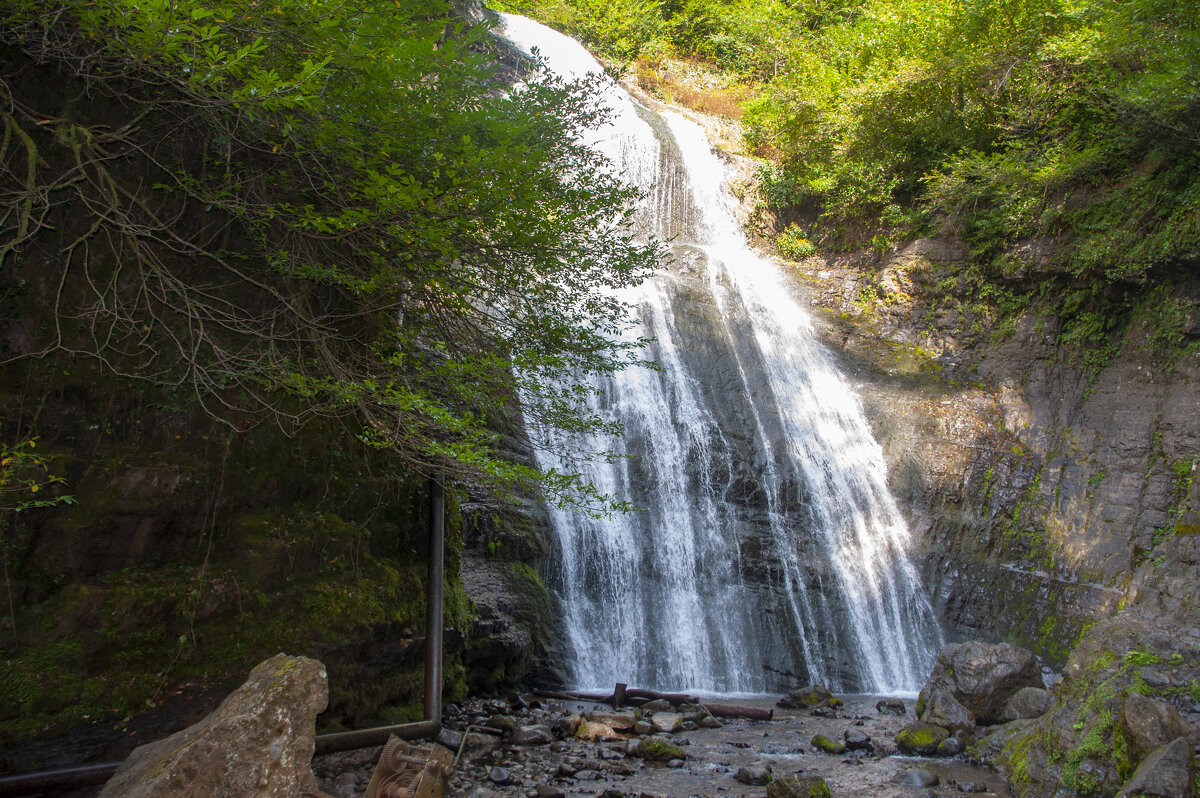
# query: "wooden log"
x,y
619,695
738,711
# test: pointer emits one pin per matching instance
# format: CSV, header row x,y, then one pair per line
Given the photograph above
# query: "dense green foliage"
x,y
305,209
1060,138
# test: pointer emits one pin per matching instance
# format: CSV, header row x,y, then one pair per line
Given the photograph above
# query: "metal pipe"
x,y
433,609
47,781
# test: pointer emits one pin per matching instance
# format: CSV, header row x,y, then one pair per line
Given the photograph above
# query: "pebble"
x,y
498,775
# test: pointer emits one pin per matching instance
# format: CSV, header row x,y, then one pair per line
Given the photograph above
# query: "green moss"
x,y
823,743
658,750
920,738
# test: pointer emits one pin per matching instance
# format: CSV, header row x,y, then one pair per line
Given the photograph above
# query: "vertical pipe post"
x,y
433,616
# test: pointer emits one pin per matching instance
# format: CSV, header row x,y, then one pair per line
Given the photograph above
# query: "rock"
x,y
533,735
546,791
666,722
1149,725
823,712
504,723
657,749
643,727
890,706
566,771
1169,772
618,721
258,742
588,775
982,676
857,740
753,775
657,705
709,722
560,747
823,743
916,777
499,775
951,746
811,696
1028,702
941,708
588,730
920,738
567,725
972,786
675,764
632,747
798,786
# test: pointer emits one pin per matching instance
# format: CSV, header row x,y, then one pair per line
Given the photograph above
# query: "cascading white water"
x,y
769,549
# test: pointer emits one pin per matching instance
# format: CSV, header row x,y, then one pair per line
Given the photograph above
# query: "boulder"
x,y
823,743
532,735
1028,702
258,743
754,775
983,676
618,721
857,740
920,739
658,705
814,695
666,722
567,725
890,706
590,730
941,708
1149,725
798,786
1169,772
657,749
916,777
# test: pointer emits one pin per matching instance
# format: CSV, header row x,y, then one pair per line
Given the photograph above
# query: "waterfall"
x,y
768,550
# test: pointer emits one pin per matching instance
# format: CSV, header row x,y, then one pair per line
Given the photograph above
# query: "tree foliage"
x,y
316,208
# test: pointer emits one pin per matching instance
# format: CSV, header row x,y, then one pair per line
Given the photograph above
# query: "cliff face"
x,y
1045,498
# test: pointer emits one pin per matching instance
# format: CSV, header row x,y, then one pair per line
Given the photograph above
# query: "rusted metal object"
x,y
410,771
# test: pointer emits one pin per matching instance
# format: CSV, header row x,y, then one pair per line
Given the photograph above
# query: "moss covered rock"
x,y
656,749
798,786
813,695
921,739
823,743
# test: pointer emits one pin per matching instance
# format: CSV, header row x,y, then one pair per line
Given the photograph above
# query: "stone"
x,y
857,740
567,725
916,777
823,743
499,776
753,775
589,730
972,786
951,746
823,712
666,722
810,696
532,735
618,721
588,775
709,722
258,743
1168,772
1028,702
657,749
657,705
504,723
983,676
547,791
920,738
890,706
941,708
675,764
798,786
1149,725
643,727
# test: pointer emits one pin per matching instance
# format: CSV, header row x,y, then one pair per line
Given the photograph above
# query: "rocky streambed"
x,y
661,753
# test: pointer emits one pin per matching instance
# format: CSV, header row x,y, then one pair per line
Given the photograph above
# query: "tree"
x,y
317,208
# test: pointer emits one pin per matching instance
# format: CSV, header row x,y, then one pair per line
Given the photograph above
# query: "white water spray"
x,y
769,549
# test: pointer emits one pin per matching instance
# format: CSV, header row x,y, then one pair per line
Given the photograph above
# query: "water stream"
x,y
769,550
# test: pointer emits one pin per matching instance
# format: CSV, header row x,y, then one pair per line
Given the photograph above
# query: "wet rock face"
x,y
258,743
1169,772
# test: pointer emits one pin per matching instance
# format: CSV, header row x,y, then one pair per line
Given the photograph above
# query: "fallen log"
x,y
738,711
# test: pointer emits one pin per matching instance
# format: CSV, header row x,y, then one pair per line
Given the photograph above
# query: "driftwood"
x,y
636,696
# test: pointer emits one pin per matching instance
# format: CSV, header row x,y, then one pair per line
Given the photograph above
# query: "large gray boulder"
x,y
1028,702
1167,773
1149,725
941,708
982,677
257,744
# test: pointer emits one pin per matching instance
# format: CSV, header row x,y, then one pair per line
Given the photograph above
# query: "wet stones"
x,y
982,677
857,740
1169,772
754,775
1149,724
890,706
